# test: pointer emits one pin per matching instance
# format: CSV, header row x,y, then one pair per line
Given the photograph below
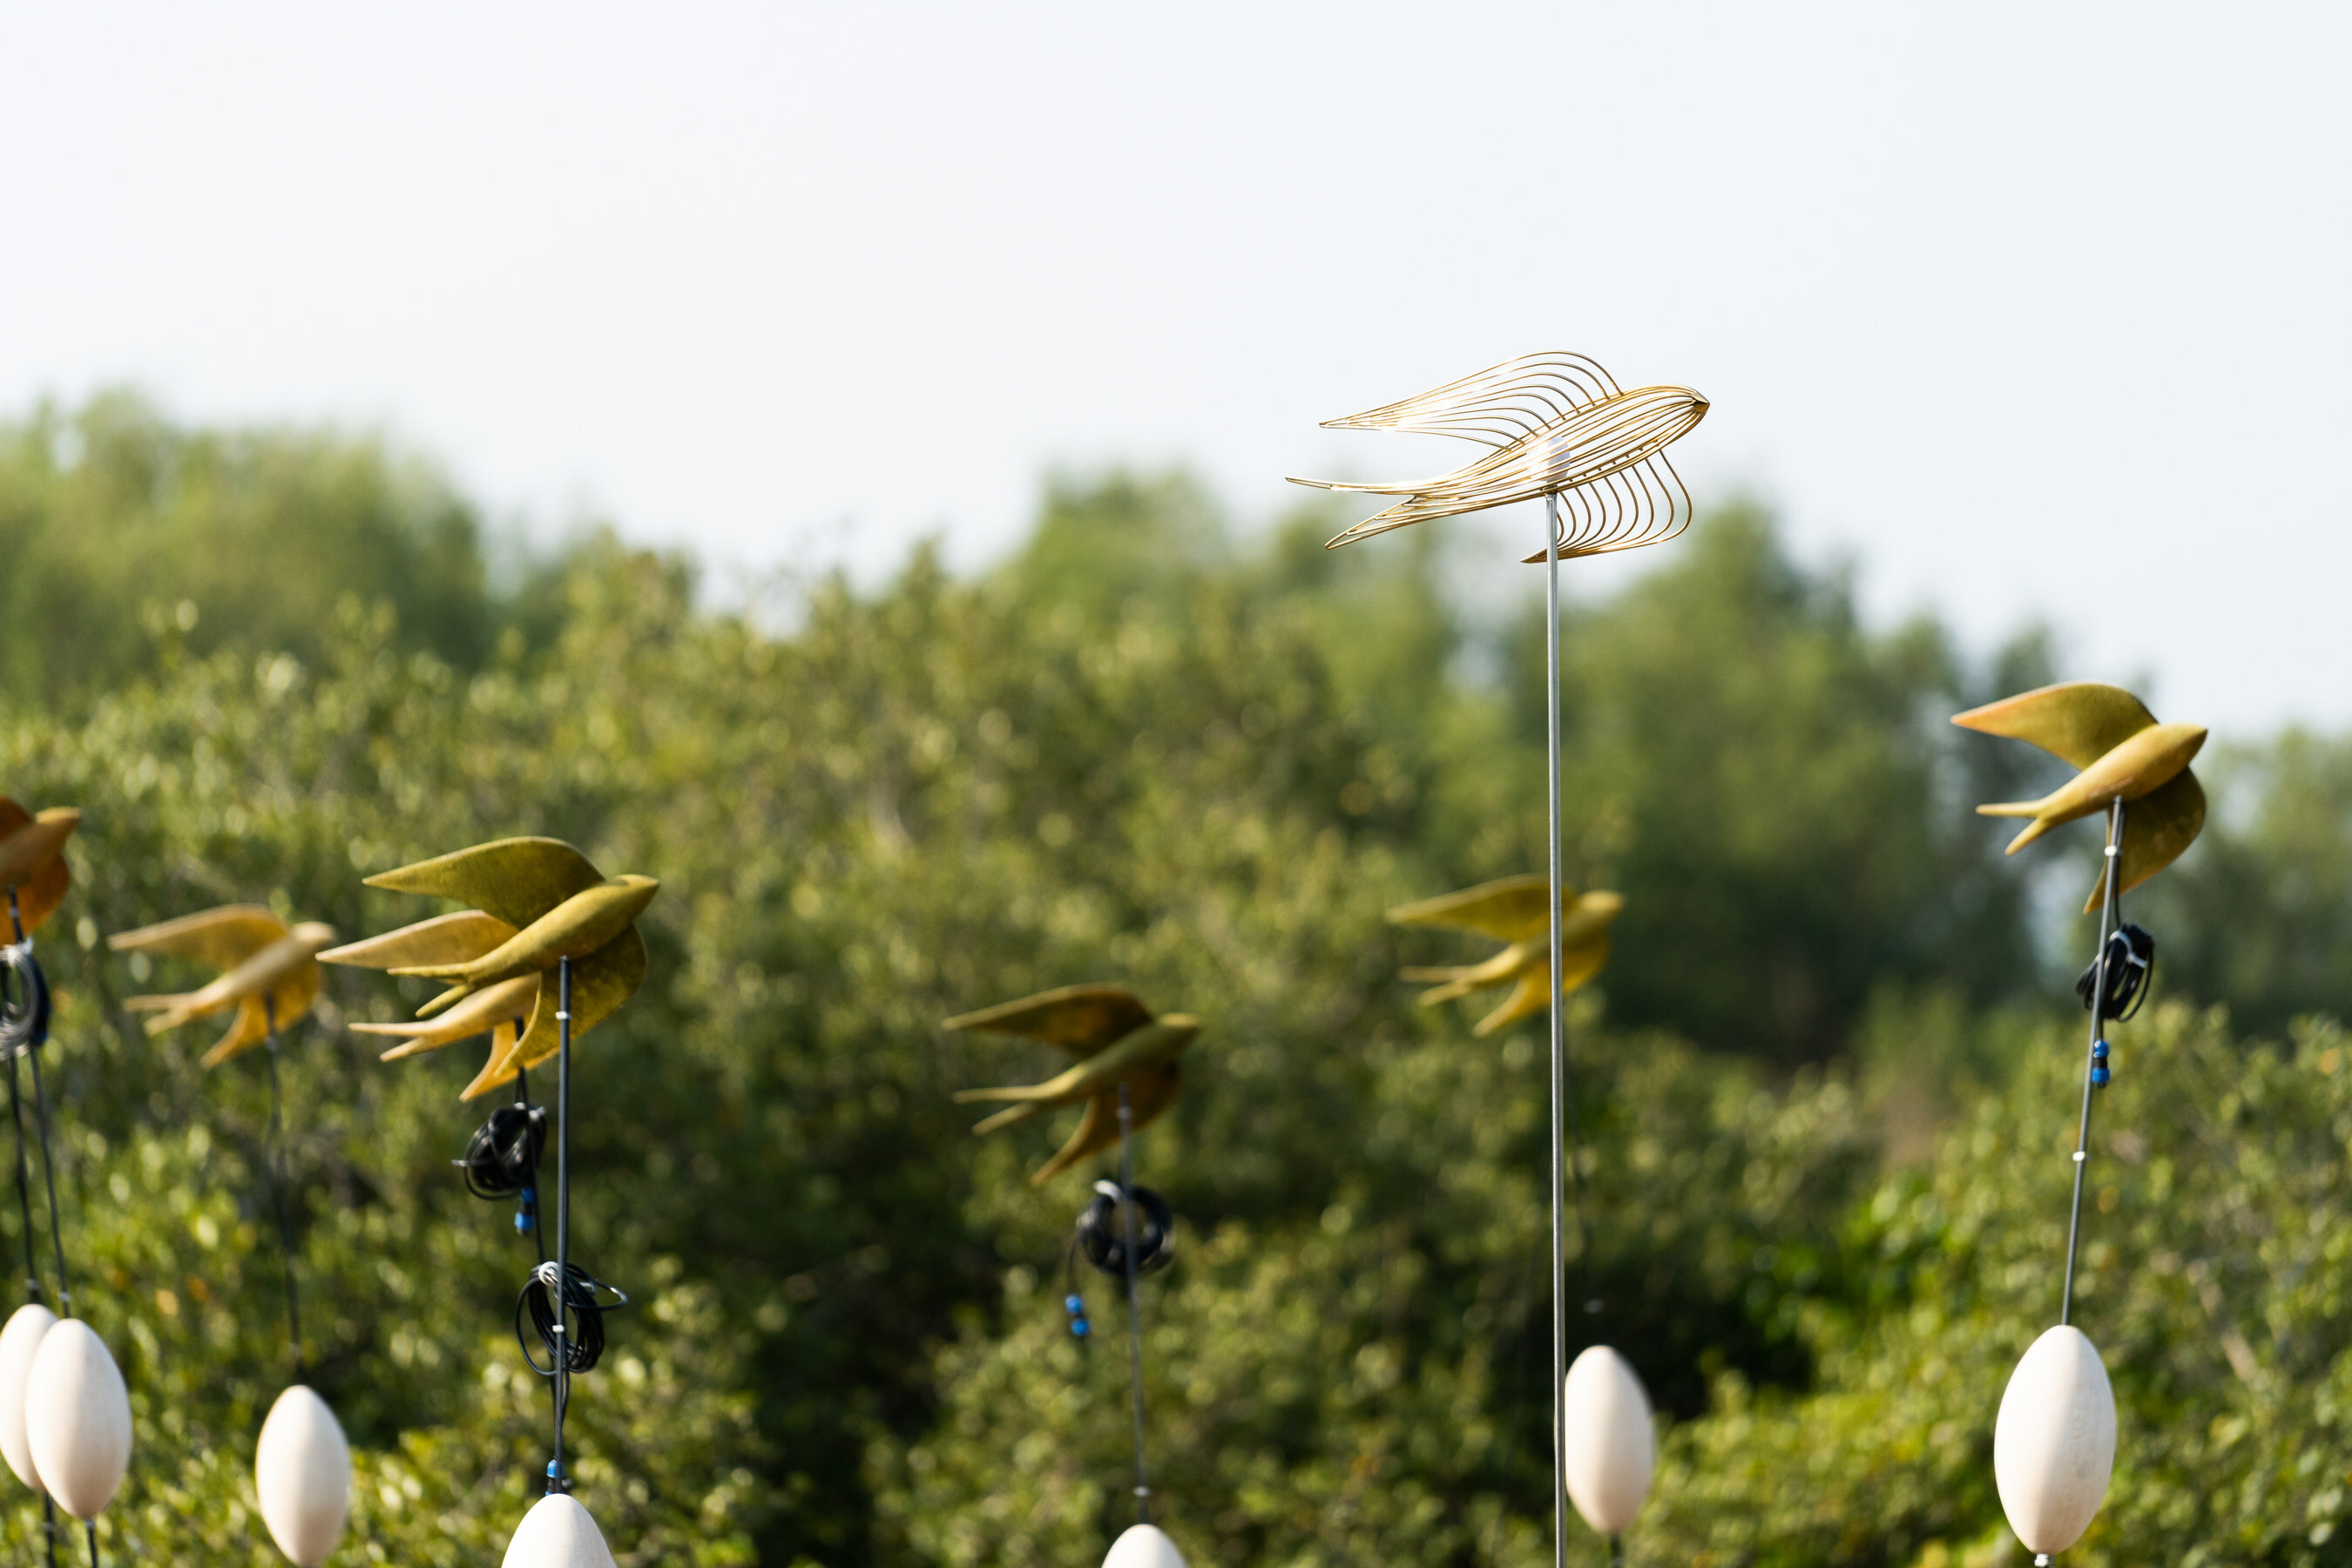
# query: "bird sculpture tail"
x,y
2035,829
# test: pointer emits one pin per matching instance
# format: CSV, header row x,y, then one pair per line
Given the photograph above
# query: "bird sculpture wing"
x,y
1512,909
36,873
1578,965
515,880
2081,722
2077,722
218,938
286,1001
1080,1019
1148,1094
444,939
503,1006
600,983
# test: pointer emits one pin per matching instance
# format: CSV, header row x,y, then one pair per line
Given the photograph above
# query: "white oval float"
x,y
2054,1447
18,1340
1144,1546
303,1471
1609,1448
558,1534
78,1418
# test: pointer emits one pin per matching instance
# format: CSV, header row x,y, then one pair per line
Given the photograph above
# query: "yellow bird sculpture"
x,y
270,972
33,858
538,901
2124,754
1116,1041
1516,910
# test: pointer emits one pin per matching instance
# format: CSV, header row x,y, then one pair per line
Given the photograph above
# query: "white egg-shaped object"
x,y
1144,1546
18,1340
2053,1447
1607,1448
303,1471
78,1418
558,1534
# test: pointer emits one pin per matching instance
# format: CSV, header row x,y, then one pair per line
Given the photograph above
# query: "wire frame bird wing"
x,y
1080,1019
1559,426
32,858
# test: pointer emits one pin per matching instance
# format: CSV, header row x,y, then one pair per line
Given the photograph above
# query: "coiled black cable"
x,y
2131,964
23,1001
501,1158
583,1345
1101,1239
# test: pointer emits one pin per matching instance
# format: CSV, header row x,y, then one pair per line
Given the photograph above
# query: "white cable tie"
x,y
2080,1157
563,1017
2112,850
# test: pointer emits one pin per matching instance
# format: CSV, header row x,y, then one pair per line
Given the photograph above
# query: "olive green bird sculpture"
x,y
537,902
1516,910
2123,754
270,972
1116,1041
33,858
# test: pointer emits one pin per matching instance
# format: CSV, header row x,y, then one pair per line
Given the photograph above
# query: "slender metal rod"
x,y
1134,1321
272,1157
562,1381
1559,1040
2108,913
24,1186
25,1205
49,1181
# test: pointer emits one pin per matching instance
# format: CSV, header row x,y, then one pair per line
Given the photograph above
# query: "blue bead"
x,y
2098,1050
2099,1076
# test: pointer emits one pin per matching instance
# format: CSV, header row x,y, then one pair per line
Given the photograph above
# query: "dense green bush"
x,y
1821,1076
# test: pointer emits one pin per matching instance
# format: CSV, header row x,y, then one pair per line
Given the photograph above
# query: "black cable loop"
x,y
579,1348
1098,1235
2131,954
502,1157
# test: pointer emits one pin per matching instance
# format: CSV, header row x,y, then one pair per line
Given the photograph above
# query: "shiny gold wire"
x,y
1559,426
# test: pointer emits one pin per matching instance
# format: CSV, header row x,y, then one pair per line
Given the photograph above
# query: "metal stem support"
x,y
2109,916
1558,1040
563,1379
1134,1321
272,1157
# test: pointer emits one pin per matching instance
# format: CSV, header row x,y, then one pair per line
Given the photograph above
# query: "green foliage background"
x,y
1825,1075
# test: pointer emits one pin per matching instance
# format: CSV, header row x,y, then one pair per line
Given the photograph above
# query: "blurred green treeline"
x,y
1825,1073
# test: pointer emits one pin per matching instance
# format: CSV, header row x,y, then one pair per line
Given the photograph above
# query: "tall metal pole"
x,y
555,1477
1134,1323
1558,1043
2107,915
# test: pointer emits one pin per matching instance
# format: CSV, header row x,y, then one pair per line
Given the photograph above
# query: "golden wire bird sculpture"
x,y
33,859
1119,1043
1560,426
270,972
538,901
2124,754
1516,910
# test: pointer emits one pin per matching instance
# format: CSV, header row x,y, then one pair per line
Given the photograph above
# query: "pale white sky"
x,y
2034,308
